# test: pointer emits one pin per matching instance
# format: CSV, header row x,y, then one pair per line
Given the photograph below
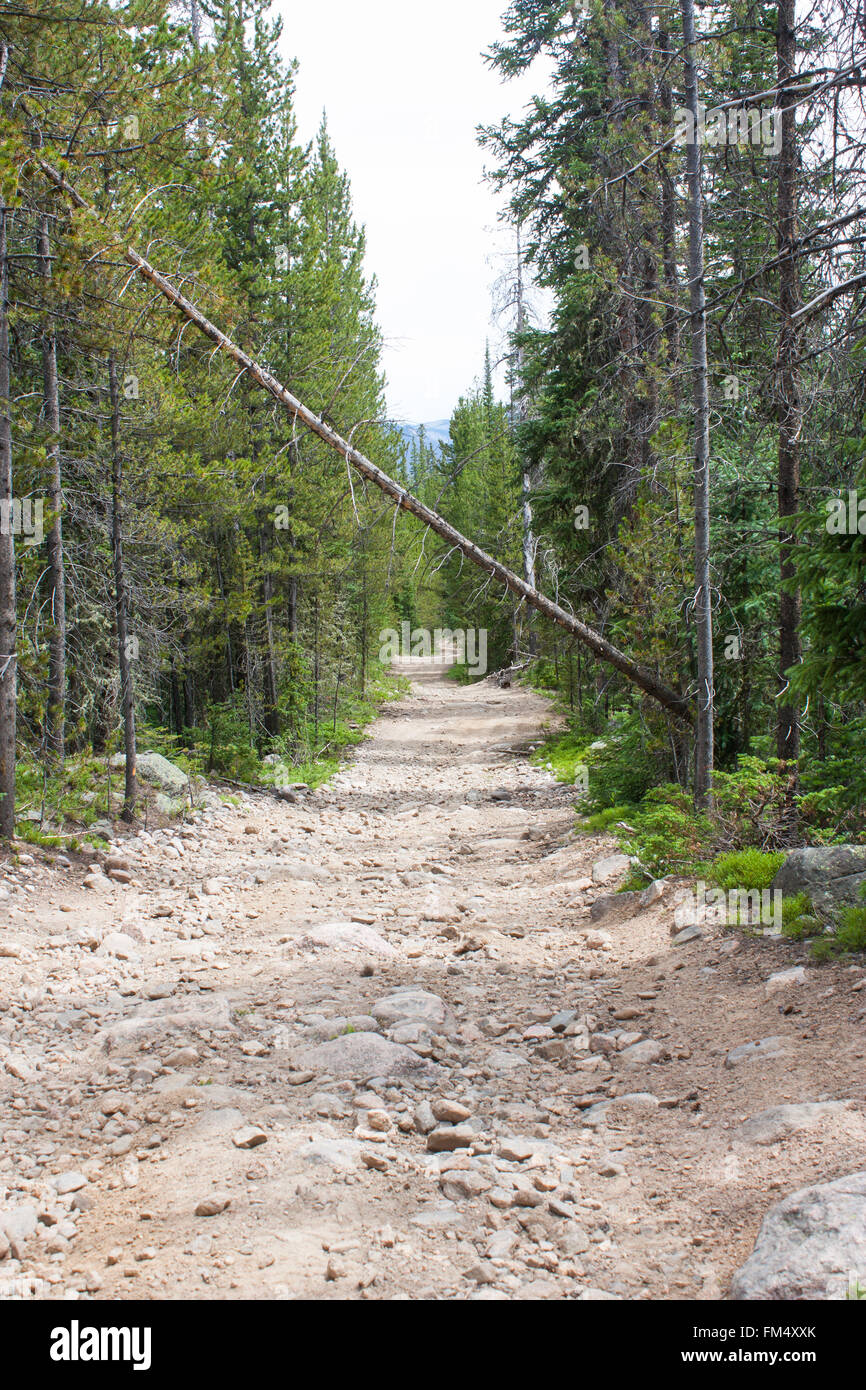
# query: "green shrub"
x,y
849,936
626,766
745,868
798,917
751,806
667,835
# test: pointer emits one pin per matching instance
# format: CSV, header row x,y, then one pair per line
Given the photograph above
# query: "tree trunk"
x,y
789,401
527,480
669,225
195,23
271,704
56,722
703,593
124,653
8,655
293,608
640,676
316,673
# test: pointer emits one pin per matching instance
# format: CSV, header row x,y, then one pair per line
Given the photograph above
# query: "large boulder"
x,y
778,1123
158,1018
831,875
361,1056
415,1004
809,1245
347,936
154,768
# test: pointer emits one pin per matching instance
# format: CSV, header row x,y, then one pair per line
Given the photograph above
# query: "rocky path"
x,y
380,1044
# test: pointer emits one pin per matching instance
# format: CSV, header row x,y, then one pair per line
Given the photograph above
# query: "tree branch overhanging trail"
x,y
640,676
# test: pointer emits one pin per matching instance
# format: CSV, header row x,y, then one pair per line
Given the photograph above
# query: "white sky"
x,y
404,87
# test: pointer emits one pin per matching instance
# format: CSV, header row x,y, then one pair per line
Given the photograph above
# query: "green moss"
x,y
602,820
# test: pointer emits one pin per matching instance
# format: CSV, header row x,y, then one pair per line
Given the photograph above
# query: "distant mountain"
x,y
435,431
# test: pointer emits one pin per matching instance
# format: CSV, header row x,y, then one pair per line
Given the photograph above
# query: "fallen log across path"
x,y
641,676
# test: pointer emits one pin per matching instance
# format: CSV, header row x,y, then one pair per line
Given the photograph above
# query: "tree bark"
x,y
640,676
56,721
789,399
669,225
271,701
703,593
121,602
8,654
527,480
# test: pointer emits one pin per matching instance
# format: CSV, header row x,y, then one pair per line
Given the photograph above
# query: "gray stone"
x,y
18,1224
517,1150
448,1137
770,1126
500,1059
425,1120
501,1244
463,1184
830,875
411,1004
413,1033
808,1245
450,1112
158,1017
765,1050
653,892
574,1241
69,1182
348,936
341,1154
610,904
643,1053
362,1023
785,979
687,934
330,1107
603,870
362,1056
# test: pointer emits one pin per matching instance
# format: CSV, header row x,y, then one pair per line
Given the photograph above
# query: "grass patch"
x,y
745,868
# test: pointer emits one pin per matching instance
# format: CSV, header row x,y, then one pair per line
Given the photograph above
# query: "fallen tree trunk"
x,y
641,676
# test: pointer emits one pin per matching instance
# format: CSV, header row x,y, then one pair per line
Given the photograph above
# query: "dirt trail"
x,y
452,1081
